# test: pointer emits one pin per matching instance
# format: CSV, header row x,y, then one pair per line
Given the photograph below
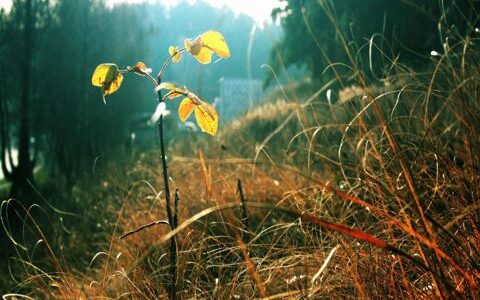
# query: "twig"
x,y
143,227
244,210
175,209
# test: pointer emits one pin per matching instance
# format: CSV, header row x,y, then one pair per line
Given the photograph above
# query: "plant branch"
x,y
155,83
166,63
131,70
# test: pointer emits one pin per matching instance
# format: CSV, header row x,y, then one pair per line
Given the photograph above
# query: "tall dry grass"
x,y
368,190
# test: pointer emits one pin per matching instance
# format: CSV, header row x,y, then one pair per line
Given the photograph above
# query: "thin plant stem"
x,y
165,171
162,142
136,230
172,293
173,253
166,63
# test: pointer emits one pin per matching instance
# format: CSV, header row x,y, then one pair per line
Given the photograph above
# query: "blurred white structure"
x,y
237,95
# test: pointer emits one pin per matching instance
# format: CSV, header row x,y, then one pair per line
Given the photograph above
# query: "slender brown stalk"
x,y
244,210
133,231
172,290
165,171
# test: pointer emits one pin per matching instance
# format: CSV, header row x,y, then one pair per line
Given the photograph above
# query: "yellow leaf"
x,y
185,109
172,50
140,66
141,69
174,90
113,86
202,47
167,86
104,73
193,47
207,118
195,99
204,56
108,77
215,41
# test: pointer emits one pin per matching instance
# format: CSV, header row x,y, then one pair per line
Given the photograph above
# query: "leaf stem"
x,y
166,63
155,83
130,70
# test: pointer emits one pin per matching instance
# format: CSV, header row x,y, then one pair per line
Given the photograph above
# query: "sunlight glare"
x,y
6,4
259,10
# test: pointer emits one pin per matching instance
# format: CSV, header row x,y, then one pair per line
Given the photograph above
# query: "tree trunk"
x,y
22,174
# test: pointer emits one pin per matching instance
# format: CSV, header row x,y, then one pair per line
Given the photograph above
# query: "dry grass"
x,y
373,193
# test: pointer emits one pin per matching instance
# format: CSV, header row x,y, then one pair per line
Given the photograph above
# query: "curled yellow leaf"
x,y
185,109
193,47
108,77
206,115
176,55
202,47
207,118
141,69
195,99
215,41
140,66
114,85
177,92
204,56
166,85
174,91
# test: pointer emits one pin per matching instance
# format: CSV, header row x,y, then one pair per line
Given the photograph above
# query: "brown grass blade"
x,y
206,174
252,270
342,229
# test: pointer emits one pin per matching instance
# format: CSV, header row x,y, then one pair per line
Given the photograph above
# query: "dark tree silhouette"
x,y
312,40
21,174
